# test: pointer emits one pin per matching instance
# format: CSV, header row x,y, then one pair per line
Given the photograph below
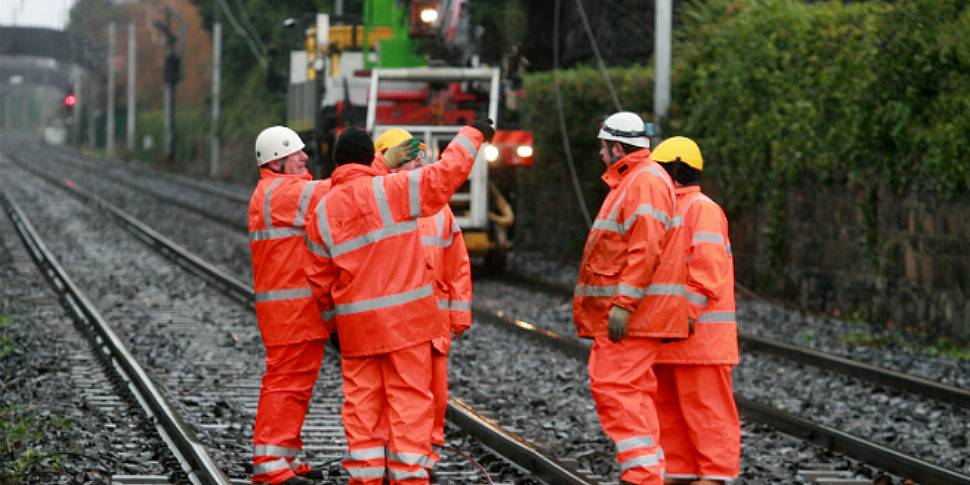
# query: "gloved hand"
x,y
618,320
485,126
406,151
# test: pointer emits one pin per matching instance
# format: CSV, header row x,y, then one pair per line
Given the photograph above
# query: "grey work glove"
x,y
408,150
618,320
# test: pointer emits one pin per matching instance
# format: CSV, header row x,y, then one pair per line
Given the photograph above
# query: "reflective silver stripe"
x,y
301,207
657,171
640,461
646,210
382,205
595,290
365,471
323,225
267,214
666,289
410,458
707,237
730,250
414,192
716,317
384,301
677,221
627,290
366,454
278,295
406,474
460,306
316,248
455,228
374,236
696,298
439,222
634,442
277,233
271,466
328,315
630,291
466,144
436,241
455,305
274,450
607,225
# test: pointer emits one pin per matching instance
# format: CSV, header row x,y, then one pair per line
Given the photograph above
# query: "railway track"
x,y
512,457
825,436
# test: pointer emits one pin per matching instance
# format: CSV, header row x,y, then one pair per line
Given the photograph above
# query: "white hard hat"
x,y
276,142
625,127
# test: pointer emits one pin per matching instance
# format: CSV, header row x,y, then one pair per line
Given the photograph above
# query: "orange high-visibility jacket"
x,y
634,256
368,271
445,247
710,285
277,212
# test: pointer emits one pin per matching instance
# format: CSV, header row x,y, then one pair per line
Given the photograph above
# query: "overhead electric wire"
x,y
260,57
562,120
244,15
596,52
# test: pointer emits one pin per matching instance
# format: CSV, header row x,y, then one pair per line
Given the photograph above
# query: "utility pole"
x,y
171,73
110,128
661,83
131,87
216,79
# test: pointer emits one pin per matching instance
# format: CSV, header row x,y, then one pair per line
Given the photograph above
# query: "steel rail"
x,y
175,178
193,457
237,224
516,449
861,449
957,396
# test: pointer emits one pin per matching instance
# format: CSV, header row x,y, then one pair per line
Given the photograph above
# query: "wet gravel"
x,y
201,346
895,351
935,431
88,427
545,395
218,244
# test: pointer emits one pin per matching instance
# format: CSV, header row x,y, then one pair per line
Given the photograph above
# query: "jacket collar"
x,y
265,173
688,189
624,166
351,171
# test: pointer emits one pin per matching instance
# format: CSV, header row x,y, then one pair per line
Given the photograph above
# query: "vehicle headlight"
x,y
429,15
524,151
491,153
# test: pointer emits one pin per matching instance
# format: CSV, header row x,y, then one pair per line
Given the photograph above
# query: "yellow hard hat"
x,y
679,149
392,138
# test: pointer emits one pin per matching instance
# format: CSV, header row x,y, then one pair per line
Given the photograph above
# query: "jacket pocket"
x,y
605,255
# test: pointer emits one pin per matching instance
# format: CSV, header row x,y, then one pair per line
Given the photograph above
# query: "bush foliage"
x,y
865,95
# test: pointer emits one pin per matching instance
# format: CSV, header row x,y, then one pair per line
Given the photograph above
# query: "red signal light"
x,y
70,100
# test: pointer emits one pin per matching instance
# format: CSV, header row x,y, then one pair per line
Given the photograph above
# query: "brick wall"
x,y
910,269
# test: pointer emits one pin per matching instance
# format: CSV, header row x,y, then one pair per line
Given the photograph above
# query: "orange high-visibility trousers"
x,y
439,389
388,414
699,426
624,387
291,371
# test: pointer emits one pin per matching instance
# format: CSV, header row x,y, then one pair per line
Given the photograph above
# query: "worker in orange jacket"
x,y
292,329
630,294
699,427
444,246
374,285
